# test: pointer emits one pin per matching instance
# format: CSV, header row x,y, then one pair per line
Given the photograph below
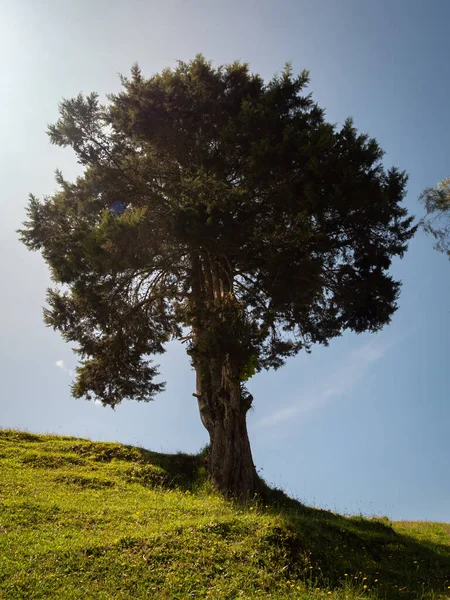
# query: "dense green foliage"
x,y
216,202
437,220
80,520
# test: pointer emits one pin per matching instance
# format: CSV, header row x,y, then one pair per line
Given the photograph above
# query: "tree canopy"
x,y
223,211
437,219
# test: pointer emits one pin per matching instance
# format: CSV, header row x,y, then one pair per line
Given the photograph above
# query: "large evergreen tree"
x,y
222,211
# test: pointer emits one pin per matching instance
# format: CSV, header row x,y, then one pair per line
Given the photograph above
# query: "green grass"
x,y
86,520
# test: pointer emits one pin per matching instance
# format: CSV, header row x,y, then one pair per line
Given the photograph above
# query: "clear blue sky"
x,y
361,426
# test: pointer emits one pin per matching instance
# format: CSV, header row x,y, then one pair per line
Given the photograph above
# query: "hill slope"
x,y
80,519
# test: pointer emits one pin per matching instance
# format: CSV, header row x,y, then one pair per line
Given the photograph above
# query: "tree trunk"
x,y
215,356
223,412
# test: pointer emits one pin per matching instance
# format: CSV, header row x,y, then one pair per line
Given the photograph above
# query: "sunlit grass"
x,y
93,520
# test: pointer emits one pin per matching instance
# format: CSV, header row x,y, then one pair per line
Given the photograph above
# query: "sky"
x,y
360,427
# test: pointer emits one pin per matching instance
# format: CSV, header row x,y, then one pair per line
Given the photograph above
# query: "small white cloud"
x,y
60,364
373,350
97,403
280,416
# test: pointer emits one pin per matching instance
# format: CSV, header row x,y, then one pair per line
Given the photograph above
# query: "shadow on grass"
x,y
179,470
362,552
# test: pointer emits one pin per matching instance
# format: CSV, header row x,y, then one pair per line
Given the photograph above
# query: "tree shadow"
x,y
369,554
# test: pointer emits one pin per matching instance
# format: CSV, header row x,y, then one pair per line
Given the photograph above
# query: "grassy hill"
x,y
80,519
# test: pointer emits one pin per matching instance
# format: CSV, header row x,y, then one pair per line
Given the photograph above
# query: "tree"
x,y
222,211
437,219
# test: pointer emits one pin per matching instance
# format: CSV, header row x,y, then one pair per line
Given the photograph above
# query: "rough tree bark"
x,y
223,408
223,412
